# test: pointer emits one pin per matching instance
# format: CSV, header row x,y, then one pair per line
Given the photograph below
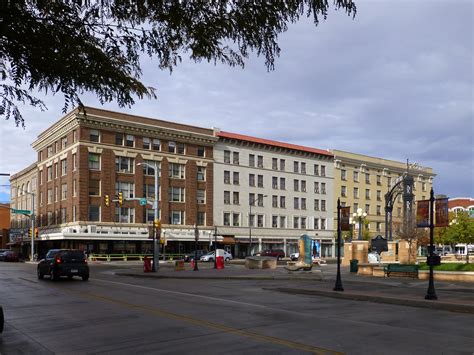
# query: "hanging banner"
x,y
423,214
345,215
442,217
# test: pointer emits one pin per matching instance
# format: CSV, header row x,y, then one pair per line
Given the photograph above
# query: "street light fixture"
x,y
252,203
156,251
359,216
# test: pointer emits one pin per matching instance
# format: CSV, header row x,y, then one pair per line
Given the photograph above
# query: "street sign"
x,y
20,211
143,201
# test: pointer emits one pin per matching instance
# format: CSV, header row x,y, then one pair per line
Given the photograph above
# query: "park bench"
x,y
401,270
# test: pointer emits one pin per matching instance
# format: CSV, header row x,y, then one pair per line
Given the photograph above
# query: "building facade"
x,y
4,225
461,204
269,193
362,181
93,154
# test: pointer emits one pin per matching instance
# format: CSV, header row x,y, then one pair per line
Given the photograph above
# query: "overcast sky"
x,y
396,82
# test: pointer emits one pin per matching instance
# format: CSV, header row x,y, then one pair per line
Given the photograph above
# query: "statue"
x,y
305,260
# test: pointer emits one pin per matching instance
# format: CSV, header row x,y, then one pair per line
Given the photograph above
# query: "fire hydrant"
x,y
146,264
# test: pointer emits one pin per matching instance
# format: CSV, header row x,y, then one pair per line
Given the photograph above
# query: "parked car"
x,y
64,262
2,254
276,253
191,255
10,256
210,256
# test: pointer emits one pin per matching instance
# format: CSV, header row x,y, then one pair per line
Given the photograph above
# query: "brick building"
x,y
91,153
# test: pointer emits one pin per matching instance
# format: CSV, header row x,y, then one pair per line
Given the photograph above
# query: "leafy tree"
x,y
90,45
411,234
461,230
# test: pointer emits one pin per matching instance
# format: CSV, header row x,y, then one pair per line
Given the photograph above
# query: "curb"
x,y
380,299
270,278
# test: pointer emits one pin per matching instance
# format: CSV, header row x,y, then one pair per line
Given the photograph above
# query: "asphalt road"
x,y
124,315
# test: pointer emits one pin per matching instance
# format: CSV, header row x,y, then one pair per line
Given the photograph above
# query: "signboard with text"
x,y
423,214
345,215
441,210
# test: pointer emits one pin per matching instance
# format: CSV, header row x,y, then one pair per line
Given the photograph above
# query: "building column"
x,y
285,246
259,244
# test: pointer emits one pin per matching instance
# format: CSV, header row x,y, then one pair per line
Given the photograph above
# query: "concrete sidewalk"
x,y
452,296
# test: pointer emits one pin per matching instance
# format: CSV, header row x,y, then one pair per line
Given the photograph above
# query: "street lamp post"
x,y
251,203
215,247
196,239
359,216
156,251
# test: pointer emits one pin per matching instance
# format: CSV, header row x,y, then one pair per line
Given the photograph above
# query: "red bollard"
x,y
192,263
146,264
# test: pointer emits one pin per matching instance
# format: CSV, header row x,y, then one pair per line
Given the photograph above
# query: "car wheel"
x,y
278,258
40,275
85,277
211,260
227,260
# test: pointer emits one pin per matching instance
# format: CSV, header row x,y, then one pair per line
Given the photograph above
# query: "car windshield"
x,y
52,253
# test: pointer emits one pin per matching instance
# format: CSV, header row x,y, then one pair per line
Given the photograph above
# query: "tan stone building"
x,y
86,156
362,181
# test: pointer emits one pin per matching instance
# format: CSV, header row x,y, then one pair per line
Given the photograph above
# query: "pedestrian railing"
x,y
128,257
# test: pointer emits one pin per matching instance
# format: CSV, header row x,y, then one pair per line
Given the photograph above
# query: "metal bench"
x,y
401,270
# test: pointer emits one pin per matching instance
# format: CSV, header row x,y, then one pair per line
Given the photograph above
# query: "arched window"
x,y
28,187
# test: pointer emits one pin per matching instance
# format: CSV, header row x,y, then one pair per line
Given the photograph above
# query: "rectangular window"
x,y
282,222
180,148
379,195
63,167
379,180
156,144
50,218
296,204
94,161
94,187
423,186
149,168
282,184
226,177
274,182
260,200
149,191
296,222
356,176
316,223
124,215
227,156
367,194
55,194
260,180
235,179
323,188
50,150
201,173
343,175
74,213
177,217
323,205
176,171
275,201
201,151
41,177
303,168
282,164
149,215
74,162
41,198
367,178
303,185
119,138
296,185
367,209
356,207
146,143
296,167
130,142
74,136
235,198
74,191
201,218
316,169
226,197
323,223
379,210
235,158
176,194
252,220
235,219
124,165
251,160
201,196
274,163
260,161
316,187
226,219
50,196
94,213
343,191
63,142
303,203
356,192
251,179
63,191
260,220
274,221
49,170
252,199
56,170
126,188
94,135
323,170
171,147
316,205
282,202
63,215
303,222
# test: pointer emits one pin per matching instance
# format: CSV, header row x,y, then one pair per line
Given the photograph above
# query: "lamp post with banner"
x,y
343,214
196,238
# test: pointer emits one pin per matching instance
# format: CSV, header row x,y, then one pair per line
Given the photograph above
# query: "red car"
x,y
276,253
10,256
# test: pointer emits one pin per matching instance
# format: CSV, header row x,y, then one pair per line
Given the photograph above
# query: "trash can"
x,y
354,265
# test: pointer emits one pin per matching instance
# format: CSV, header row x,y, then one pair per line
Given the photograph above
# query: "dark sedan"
x,y
10,256
64,262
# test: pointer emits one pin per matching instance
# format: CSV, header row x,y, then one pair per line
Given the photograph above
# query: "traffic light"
x,y
29,232
120,198
36,232
107,200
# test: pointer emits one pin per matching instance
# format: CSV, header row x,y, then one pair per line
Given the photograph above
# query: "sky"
x,y
395,82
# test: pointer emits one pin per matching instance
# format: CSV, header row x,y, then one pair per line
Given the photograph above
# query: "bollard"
x,y
146,264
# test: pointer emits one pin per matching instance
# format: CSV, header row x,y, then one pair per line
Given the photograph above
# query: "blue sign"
x,y
143,201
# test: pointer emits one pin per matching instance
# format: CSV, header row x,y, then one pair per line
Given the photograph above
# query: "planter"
x,y
462,276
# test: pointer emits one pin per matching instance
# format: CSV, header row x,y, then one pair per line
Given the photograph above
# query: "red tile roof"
x,y
460,202
242,137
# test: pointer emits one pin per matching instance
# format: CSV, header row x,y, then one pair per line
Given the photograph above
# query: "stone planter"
x,y
463,276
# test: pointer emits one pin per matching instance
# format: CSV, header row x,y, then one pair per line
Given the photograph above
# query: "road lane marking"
x,y
204,323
